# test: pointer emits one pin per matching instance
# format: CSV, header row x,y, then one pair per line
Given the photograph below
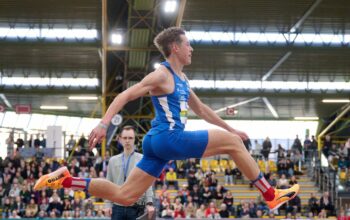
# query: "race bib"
x,y
184,111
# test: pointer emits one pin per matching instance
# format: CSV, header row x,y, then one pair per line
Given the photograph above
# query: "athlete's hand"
x,y
97,135
241,134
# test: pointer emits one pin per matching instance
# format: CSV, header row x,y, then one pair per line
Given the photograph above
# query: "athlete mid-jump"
x,y
167,140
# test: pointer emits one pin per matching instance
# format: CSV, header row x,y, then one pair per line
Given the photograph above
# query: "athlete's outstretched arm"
x,y
150,82
206,113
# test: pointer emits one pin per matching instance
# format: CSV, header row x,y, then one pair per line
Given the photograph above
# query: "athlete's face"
x,y
127,139
184,51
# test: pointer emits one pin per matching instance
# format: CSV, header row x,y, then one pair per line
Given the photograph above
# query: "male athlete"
x,y
167,140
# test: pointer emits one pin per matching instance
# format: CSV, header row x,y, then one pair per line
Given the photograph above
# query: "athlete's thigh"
x,y
180,145
137,183
221,142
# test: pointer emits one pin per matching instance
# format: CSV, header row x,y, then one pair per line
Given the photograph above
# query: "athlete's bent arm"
x,y
150,82
206,113
147,84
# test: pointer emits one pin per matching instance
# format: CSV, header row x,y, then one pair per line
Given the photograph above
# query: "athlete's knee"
x,y
236,143
125,200
129,201
235,139
124,197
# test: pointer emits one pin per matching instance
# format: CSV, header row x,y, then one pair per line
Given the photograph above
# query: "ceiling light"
x,y
306,118
117,39
335,100
170,6
48,33
47,81
312,39
82,98
269,85
53,107
156,65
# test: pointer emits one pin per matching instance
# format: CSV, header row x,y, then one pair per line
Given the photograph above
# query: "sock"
x,y
77,183
264,187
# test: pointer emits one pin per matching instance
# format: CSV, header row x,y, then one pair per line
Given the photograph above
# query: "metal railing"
x,y
325,178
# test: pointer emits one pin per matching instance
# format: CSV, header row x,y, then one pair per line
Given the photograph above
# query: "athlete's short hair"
x,y
167,37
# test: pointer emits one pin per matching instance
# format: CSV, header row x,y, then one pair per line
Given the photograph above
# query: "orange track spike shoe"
x,y
52,180
282,196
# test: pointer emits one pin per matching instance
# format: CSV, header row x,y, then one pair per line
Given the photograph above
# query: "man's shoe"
x,y
53,180
282,196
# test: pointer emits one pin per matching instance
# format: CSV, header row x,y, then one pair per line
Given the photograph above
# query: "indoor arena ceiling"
x,y
309,54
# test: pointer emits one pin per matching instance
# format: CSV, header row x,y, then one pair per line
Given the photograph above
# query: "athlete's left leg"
x,y
127,194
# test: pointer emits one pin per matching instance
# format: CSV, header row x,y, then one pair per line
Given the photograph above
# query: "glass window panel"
x,y
72,125
4,134
277,129
22,121
69,124
87,124
62,121
9,119
36,121
49,120
1,117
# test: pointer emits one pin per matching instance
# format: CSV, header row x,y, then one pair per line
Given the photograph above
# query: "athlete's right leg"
x,y
223,142
127,194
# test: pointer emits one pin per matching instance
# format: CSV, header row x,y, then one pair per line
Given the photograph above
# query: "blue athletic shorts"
x,y
160,148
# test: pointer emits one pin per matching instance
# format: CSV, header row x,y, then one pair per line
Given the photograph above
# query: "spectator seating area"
x,y
213,188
